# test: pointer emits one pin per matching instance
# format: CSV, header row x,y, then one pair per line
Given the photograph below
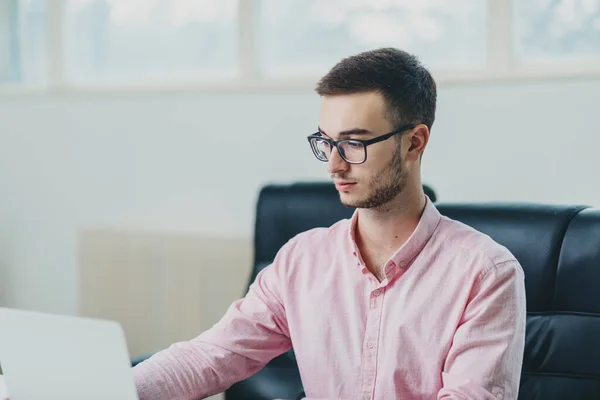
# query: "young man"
x,y
398,302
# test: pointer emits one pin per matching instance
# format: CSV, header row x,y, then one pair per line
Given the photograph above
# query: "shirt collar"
x,y
404,256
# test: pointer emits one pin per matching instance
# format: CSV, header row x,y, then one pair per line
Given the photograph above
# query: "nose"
x,y
336,163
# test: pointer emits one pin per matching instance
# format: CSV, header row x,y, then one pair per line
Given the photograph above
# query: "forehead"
x,y
357,110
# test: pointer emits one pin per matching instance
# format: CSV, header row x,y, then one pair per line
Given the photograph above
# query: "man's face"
x,y
382,176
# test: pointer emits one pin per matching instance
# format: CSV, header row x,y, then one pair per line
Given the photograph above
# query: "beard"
x,y
384,187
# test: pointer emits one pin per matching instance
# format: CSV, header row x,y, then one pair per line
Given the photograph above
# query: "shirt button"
x,y
367,396
376,292
402,264
354,254
371,345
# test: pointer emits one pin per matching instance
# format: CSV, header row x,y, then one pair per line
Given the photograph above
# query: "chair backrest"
x,y
558,247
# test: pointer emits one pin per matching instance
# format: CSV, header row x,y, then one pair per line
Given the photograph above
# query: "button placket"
x,y
370,343
375,298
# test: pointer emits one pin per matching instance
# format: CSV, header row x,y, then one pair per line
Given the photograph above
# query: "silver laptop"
x,y
47,356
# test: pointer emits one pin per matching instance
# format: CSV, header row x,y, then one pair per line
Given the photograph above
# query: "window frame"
x,y
500,66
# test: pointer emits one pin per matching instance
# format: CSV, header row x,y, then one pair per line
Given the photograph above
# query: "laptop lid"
x,y
46,356
3,392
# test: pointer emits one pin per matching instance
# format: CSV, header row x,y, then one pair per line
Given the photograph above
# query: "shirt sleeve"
x,y
485,359
252,332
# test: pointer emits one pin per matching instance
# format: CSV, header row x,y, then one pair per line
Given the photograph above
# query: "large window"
x,y
550,31
23,44
119,41
299,37
73,43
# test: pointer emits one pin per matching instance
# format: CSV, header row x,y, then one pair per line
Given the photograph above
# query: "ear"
x,y
418,141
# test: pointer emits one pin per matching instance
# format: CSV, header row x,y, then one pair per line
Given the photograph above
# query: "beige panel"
x,y
162,288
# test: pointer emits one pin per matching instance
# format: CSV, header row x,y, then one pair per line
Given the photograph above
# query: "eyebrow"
x,y
349,132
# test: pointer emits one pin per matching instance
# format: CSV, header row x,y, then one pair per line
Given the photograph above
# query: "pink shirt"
x,y
447,322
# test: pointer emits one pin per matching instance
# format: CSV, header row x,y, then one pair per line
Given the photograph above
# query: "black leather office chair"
x,y
558,247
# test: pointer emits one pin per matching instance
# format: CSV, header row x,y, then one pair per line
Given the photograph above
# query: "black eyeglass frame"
x,y
365,143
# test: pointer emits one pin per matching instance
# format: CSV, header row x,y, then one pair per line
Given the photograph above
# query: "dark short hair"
x,y
407,87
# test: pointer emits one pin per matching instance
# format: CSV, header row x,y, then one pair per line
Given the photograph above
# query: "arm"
x,y
252,332
485,359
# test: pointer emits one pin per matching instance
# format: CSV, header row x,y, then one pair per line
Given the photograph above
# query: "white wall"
x,y
194,162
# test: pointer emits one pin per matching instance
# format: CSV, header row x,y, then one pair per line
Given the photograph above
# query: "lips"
x,y
344,186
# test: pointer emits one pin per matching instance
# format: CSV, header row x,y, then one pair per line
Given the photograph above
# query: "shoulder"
x,y
312,249
319,237
481,251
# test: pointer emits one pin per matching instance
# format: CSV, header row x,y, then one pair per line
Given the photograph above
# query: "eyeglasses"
x,y
353,151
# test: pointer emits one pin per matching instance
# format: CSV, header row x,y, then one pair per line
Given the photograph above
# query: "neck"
x,y
388,227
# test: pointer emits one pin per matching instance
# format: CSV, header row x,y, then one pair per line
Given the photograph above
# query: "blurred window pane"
x,y
300,37
23,46
121,41
556,30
